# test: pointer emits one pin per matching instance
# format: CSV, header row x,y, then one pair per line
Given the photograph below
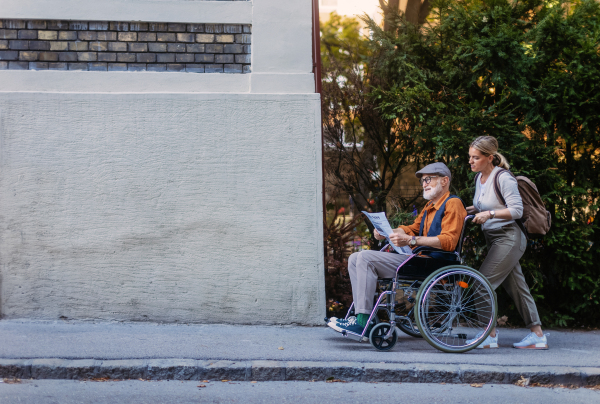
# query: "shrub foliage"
x,y
526,72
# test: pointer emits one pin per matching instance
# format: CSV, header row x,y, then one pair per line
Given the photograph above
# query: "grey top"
x,y
485,198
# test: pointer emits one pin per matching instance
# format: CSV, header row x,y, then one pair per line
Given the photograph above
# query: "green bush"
x,y
528,73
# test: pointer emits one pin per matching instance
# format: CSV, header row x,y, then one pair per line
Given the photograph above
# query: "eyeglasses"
x,y
427,180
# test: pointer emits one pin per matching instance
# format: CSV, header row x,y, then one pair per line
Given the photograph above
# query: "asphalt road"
x,y
82,340
164,392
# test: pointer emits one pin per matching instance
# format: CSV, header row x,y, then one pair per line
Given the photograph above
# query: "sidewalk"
x,y
81,350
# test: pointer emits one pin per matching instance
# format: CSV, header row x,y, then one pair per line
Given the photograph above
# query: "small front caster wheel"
x,y
378,337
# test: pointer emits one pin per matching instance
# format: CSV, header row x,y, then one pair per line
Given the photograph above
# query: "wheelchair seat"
x,y
427,261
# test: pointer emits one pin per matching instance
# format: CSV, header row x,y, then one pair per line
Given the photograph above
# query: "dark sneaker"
x,y
351,326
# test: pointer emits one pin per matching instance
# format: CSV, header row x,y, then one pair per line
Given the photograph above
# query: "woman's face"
x,y
478,161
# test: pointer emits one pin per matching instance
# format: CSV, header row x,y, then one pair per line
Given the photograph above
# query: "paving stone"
x,y
126,57
98,25
29,56
78,46
165,37
136,67
8,34
137,47
48,369
127,36
107,57
213,68
165,58
117,67
107,36
156,67
67,35
194,68
78,66
9,55
48,56
229,370
184,58
67,56
138,26
117,46
18,65
87,35
268,370
157,47
27,34
78,25
97,66
176,27
195,28
146,57
87,56
55,46
147,36
171,67
58,66
173,369
18,45
48,35
232,68
123,369
119,26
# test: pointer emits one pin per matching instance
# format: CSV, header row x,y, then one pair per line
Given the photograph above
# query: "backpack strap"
x,y
503,201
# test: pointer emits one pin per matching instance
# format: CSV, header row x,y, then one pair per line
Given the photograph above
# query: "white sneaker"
x,y
532,341
489,342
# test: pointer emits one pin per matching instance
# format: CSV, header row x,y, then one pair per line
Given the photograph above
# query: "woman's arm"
x,y
510,192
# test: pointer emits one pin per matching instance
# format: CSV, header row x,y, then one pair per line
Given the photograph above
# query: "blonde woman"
x,y
505,241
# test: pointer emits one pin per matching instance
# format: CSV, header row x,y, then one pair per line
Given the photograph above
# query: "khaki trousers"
x,y
506,246
364,268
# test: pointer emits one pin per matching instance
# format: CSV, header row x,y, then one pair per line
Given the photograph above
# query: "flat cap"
x,y
435,168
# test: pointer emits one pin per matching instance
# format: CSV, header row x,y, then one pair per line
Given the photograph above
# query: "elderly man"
x,y
438,225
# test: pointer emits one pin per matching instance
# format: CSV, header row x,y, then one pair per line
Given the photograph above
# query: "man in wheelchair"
x,y
439,225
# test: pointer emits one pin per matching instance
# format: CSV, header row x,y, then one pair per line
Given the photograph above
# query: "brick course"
x,y
125,46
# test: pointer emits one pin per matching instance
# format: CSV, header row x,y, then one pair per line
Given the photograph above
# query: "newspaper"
x,y
383,227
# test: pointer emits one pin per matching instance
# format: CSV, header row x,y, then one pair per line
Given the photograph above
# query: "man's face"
x,y
432,186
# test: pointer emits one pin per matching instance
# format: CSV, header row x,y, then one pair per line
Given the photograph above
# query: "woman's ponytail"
x,y
500,161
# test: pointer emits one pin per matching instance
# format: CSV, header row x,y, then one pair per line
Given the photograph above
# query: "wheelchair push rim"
x,y
454,305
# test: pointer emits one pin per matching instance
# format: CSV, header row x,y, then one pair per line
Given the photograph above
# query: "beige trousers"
x,y
364,268
506,246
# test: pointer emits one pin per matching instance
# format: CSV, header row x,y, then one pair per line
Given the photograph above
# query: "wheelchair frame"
x,y
416,285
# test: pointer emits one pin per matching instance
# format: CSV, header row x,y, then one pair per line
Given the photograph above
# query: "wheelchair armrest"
x,y
436,253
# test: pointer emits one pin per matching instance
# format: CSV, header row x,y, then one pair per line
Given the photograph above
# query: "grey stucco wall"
x,y
161,207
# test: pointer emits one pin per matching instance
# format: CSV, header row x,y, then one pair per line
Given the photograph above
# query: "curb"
x,y
191,369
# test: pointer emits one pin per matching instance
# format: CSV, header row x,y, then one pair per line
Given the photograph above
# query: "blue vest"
x,y
436,226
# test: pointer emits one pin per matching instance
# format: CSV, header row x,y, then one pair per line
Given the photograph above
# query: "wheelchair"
x,y
433,296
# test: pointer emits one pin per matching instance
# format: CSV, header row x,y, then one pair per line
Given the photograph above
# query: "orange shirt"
x,y
452,222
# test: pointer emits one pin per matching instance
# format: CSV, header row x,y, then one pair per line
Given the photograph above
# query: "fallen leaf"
x,y
253,382
225,380
476,384
443,383
12,381
502,320
202,385
523,381
280,348
205,381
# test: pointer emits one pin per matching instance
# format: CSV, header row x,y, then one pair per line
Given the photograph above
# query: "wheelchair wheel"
x,y
455,304
378,340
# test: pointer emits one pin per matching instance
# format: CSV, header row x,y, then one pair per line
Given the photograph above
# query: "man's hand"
x,y
400,239
377,235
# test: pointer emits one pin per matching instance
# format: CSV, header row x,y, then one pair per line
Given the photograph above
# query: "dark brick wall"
x,y
124,46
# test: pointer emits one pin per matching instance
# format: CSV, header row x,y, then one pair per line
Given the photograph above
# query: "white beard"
x,y
433,193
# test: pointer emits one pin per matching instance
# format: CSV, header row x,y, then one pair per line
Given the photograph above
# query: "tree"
x,y
527,73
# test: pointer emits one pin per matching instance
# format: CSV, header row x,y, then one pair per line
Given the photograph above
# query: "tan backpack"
x,y
536,220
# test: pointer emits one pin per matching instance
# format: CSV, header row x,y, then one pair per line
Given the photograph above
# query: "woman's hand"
x,y
482,217
377,235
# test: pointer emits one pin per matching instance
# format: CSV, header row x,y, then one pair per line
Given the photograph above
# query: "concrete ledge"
x,y
223,12
190,369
